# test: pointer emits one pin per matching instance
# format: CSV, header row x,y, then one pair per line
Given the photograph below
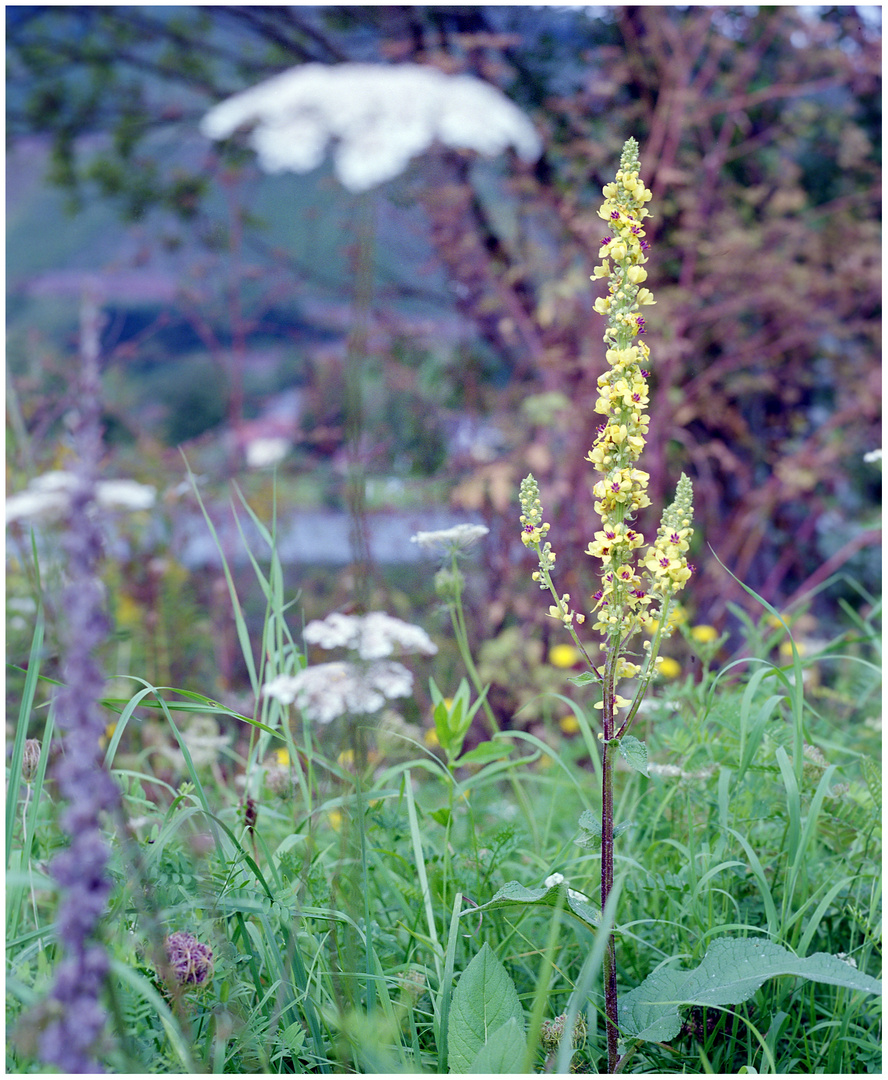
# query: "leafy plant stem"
x,y
457,617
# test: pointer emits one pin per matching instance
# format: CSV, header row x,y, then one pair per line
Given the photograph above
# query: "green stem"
x,y
609,969
462,640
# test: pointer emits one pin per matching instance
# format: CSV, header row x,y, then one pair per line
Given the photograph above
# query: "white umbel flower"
x,y
372,636
457,538
47,498
379,116
327,691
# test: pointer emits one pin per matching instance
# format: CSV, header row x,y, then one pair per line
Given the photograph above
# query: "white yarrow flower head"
x,y
379,116
327,691
451,540
47,498
371,636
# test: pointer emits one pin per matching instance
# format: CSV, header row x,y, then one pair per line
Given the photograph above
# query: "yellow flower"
x,y
704,634
282,757
335,819
669,667
786,649
430,738
569,724
564,656
619,703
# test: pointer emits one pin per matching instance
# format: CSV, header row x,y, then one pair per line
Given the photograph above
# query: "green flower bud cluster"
x,y
552,1031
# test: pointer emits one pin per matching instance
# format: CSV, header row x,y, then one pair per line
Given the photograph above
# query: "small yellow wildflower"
x,y
564,656
569,724
669,667
619,703
704,634
282,757
430,738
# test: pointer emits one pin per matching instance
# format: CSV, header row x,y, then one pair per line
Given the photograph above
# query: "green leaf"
x,y
730,972
484,1000
513,893
503,1052
591,827
584,678
634,753
589,823
484,752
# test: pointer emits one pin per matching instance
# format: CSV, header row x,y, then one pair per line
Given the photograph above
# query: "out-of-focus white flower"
x,y
264,452
47,498
457,538
124,495
204,740
372,636
327,691
674,772
873,455
380,117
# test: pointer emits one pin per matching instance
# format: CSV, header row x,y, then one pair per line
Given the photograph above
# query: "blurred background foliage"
x,y
233,298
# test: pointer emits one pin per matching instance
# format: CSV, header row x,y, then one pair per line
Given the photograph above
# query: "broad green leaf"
x,y
590,823
484,752
483,1001
513,893
730,972
634,753
584,678
591,827
503,1052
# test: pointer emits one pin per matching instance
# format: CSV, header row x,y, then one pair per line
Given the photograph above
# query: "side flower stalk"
x,y
637,585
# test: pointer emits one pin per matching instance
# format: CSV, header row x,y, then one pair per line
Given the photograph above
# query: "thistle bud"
x,y
31,760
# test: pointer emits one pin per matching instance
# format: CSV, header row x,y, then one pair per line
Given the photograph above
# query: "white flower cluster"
x,y
327,691
48,497
558,879
380,117
675,772
457,538
371,636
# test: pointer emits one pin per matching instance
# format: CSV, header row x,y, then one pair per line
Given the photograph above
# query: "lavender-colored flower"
x,y
74,1014
190,959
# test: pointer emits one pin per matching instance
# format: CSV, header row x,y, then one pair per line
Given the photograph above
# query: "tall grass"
x,y
342,915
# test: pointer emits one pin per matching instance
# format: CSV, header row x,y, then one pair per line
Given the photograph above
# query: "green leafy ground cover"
x,y
362,890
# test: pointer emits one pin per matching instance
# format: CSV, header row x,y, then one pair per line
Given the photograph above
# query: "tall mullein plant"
x,y
638,585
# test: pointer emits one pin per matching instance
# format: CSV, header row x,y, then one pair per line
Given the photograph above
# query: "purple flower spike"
x,y
76,1019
